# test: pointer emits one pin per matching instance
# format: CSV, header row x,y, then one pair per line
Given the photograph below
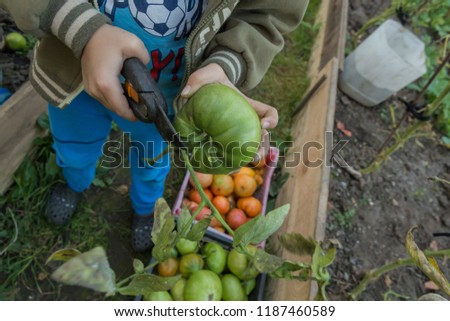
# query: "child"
x,y
185,44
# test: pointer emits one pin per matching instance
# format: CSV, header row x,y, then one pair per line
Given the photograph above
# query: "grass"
x,y
286,81
27,239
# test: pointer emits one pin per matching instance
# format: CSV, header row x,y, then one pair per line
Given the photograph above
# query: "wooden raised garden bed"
x,y
307,187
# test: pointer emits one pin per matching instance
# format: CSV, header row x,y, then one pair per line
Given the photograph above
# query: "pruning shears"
x,y
146,100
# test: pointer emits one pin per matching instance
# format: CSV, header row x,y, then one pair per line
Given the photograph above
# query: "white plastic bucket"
x,y
391,58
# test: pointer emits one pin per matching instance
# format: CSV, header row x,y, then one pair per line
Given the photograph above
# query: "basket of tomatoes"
x,y
210,270
239,196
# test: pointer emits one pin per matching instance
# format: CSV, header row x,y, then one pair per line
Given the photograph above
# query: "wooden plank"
x,y
318,47
307,188
335,33
18,128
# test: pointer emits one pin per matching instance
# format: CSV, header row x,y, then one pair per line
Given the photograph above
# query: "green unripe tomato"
x,y
215,257
221,128
15,41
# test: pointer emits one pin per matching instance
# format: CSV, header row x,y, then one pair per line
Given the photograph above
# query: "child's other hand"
x,y
213,73
102,62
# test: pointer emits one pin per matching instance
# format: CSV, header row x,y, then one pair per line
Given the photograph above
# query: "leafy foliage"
x,y
429,19
92,270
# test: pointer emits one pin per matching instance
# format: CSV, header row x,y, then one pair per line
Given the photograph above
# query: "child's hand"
x,y
213,73
102,62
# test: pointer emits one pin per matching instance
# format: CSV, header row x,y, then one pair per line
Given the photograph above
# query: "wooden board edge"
x,y
316,52
343,33
24,102
307,290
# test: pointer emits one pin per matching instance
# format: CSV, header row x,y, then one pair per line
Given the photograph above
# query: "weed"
x,y
420,193
26,238
342,219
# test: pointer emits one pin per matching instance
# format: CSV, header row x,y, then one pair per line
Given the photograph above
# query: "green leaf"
x,y
163,234
298,244
147,283
98,182
51,168
43,121
322,258
198,230
90,270
165,243
292,271
138,266
63,255
265,262
261,227
183,221
162,214
429,268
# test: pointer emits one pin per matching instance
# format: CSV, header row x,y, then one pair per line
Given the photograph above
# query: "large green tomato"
x,y
203,285
241,265
216,257
232,289
222,130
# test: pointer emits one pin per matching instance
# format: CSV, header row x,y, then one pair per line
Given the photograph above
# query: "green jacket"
x,y
241,36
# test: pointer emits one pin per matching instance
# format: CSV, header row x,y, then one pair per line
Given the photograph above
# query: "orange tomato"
x,y
222,204
194,195
168,267
204,212
244,185
204,179
245,171
250,205
222,185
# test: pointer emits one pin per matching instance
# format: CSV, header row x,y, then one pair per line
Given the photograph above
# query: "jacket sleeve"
x,y
252,36
72,21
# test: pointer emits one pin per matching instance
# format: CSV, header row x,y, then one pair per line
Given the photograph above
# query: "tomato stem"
x,y
128,278
203,195
199,208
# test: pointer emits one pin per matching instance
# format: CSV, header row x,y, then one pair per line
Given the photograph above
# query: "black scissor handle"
x,y
147,101
150,96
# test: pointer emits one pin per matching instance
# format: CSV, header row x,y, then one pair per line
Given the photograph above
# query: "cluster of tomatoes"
x,y
208,273
232,195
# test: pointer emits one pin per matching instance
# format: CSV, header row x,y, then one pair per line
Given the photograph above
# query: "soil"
x,y
370,217
13,66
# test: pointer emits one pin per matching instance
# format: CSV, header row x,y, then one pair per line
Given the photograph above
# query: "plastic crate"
x,y
261,194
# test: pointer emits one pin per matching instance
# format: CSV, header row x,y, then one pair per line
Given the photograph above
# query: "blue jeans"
x,y
80,131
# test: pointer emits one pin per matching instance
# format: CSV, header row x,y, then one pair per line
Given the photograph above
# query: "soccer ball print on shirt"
x,y
160,18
